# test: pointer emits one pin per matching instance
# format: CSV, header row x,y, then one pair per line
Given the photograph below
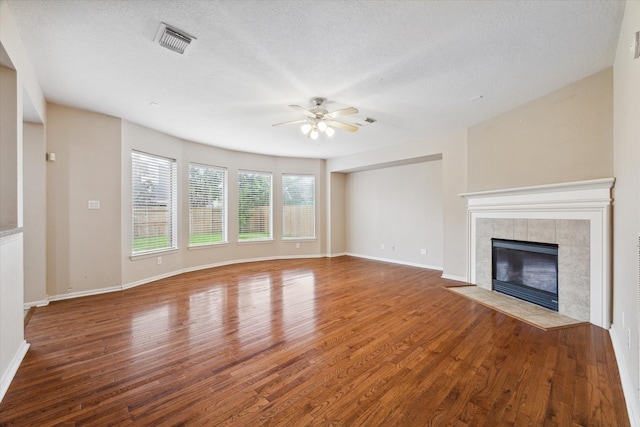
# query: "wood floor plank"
x,y
331,341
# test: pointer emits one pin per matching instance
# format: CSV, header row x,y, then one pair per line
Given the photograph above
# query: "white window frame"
x,y
163,173
297,233
208,194
241,209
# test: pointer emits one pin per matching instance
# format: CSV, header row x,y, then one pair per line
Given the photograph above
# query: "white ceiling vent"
x,y
173,39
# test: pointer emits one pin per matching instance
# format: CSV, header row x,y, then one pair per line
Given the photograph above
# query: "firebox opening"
x,y
526,270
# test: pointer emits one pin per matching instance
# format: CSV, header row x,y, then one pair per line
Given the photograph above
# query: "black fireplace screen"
x,y
526,270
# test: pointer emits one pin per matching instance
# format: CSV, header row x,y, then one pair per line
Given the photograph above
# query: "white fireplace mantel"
x,y
583,200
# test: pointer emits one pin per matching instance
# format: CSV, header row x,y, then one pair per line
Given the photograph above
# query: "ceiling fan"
x,y
320,119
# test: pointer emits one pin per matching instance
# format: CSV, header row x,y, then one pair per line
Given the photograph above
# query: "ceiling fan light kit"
x,y
319,120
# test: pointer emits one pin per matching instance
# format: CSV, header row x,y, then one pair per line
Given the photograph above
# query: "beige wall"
x,y
626,213
12,44
89,251
337,201
35,215
451,149
9,149
83,246
454,224
142,269
561,137
399,207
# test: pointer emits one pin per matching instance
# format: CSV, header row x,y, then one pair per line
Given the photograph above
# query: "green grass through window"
x,y
151,243
203,239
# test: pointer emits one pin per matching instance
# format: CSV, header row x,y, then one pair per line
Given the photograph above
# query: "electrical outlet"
x,y
297,245
159,260
423,251
382,246
393,247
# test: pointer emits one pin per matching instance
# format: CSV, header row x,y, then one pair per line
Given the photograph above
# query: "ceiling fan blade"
x,y
291,123
340,125
309,113
343,112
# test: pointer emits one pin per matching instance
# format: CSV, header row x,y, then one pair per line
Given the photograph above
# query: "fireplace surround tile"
x,y
573,232
573,261
573,296
520,229
541,230
503,228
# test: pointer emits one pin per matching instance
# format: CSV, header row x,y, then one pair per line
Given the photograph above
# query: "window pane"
x,y
254,206
207,205
154,204
298,210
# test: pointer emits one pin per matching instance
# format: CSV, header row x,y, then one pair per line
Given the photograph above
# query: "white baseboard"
x,y
336,255
220,264
633,405
395,261
79,294
151,279
7,376
206,266
159,277
41,303
456,278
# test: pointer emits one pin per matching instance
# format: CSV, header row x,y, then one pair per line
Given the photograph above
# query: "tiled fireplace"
x,y
576,216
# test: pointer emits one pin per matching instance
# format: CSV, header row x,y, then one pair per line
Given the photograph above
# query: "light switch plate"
x,y
94,204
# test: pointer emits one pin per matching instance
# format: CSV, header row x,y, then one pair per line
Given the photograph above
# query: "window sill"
x,y
250,242
154,254
212,245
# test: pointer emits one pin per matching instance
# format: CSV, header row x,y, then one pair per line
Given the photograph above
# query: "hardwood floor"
x,y
341,341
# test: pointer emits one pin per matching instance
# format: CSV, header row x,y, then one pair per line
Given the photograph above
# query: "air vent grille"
x,y
173,39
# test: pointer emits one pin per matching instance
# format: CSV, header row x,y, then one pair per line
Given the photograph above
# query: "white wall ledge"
x,y
594,184
597,191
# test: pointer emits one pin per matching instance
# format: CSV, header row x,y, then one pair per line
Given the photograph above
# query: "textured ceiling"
x,y
414,66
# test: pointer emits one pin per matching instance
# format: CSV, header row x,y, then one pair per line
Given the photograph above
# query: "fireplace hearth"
x,y
526,270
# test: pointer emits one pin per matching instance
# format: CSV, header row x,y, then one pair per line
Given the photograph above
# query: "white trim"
x,y
223,263
214,265
633,406
79,294
336,254
150,279
8,375
152,254
588,200
395,261
546,191
456,278
169,274
41,303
